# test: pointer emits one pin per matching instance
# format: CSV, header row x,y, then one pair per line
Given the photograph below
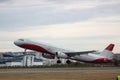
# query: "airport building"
x,y
117,56
29,59
19,59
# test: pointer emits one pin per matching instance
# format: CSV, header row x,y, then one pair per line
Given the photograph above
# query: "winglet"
x,y
110,47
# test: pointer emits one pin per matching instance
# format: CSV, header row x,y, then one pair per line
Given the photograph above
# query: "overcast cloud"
x,y
73,24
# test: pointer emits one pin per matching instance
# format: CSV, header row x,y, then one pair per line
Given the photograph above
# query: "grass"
x,y
63,68
62,76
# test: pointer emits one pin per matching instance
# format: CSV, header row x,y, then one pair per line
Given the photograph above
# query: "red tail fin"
x,y
110,47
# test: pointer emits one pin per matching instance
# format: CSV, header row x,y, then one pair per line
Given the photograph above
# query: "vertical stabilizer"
x,y
107,52
110,47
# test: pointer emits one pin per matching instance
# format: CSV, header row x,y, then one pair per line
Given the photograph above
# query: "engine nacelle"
x,y
49,56
61,55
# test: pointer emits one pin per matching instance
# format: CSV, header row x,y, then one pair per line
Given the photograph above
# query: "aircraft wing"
x,y
71,54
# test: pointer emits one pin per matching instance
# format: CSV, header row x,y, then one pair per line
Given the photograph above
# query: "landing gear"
x,y
68,62
59,61
24,53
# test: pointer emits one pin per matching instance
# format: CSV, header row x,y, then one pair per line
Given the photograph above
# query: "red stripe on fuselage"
x,y
35,48
103,60
100,60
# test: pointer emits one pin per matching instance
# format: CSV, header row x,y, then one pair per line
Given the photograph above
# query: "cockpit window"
x,y
21,39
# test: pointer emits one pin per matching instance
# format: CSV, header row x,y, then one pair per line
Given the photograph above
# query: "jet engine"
x,y
49,56
61,55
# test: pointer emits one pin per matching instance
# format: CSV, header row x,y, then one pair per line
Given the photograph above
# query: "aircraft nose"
x,y
17,42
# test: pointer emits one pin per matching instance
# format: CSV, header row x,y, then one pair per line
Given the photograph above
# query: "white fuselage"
x,y
47,49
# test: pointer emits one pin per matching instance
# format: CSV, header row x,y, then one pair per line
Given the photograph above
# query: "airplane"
x,y
51,52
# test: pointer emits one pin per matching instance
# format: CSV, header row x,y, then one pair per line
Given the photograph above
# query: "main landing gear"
x,y
59,61
24,53
67,61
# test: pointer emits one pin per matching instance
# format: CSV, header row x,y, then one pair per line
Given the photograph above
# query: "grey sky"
x,y
72,22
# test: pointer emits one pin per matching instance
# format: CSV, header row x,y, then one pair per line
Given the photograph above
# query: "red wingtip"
x,y
110,47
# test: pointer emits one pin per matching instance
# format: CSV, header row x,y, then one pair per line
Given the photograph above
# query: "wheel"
x,y
58,61
68,62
